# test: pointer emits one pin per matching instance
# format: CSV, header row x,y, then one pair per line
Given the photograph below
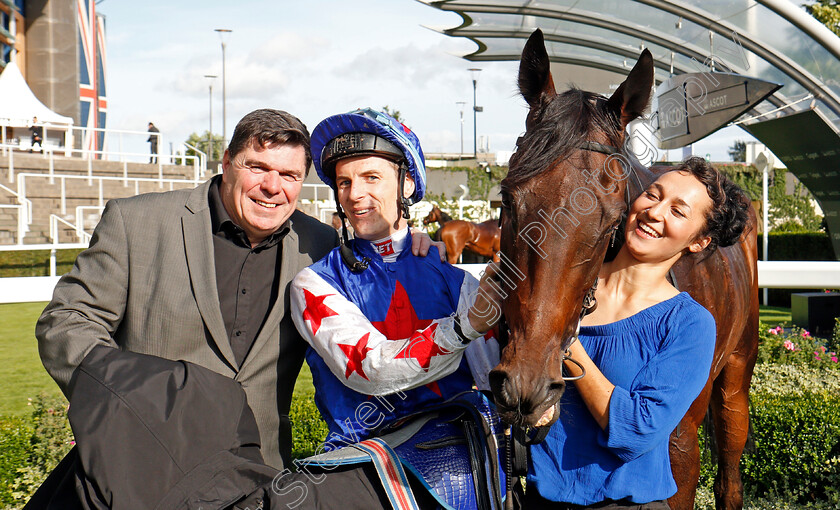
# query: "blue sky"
x,y
313,58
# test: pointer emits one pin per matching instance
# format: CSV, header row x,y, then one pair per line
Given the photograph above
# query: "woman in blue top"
x,y
647,351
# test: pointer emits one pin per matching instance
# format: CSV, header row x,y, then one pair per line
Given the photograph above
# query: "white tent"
x,y
18,105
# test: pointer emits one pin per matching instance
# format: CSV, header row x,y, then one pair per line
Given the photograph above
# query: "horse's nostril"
x,y
557,386
502,387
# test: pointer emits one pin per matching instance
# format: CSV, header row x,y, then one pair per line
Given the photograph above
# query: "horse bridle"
x,y
517,438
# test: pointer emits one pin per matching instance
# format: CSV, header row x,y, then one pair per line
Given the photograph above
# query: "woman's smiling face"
x,y
668,218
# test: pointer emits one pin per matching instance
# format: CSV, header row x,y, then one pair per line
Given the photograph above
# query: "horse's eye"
x,y
506,202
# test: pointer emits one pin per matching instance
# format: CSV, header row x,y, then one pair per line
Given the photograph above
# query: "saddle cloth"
x,y
456,449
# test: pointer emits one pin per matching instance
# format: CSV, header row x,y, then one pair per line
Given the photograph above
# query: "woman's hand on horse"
x,y
421,242
487,306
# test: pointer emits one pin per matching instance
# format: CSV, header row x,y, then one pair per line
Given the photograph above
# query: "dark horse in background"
x,y
567,190
481,238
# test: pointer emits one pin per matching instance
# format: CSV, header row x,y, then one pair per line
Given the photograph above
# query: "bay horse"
x,y
566,192
436,215
481,238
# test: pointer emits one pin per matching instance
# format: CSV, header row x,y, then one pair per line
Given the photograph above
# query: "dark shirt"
x,y
246,279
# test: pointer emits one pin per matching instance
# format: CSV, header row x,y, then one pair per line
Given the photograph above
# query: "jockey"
x,y
389,333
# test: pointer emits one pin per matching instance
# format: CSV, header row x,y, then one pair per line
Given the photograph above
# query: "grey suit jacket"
x,y
147,284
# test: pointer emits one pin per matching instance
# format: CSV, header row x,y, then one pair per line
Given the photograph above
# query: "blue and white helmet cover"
x,y
368,120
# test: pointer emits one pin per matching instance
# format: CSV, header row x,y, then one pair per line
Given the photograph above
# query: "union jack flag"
x,y
92,67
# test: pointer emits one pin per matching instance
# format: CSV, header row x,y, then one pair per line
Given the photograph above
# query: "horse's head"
x,y
434,215
561,200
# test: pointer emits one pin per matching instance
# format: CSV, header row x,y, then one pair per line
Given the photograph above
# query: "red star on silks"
x,y
316,310
355,355
422,347
434,387
401,321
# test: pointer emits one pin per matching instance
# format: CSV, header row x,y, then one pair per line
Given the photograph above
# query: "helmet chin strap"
x,y
347,256
402,202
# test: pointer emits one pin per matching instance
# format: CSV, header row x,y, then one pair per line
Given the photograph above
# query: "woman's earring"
x,y
614,232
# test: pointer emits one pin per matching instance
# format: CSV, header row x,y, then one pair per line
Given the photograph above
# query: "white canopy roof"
x,y
19,105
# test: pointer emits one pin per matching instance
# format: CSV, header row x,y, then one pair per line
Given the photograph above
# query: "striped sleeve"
x,y
362,357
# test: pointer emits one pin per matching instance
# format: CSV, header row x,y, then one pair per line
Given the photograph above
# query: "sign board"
x,y
695,105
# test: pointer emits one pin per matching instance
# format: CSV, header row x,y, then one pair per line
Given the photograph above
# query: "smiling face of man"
x,y
367,191
260,187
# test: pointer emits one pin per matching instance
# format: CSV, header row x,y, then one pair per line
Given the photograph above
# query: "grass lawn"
x,y
775,315
21,372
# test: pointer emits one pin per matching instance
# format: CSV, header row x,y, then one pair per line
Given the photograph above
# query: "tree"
x,y
788,213
738,151
826,12
393,113
203,142
794,212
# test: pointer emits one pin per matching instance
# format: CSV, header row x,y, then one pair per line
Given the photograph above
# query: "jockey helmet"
x,y
368,132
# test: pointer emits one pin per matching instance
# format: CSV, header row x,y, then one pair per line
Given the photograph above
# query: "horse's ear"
x,y
633,95
534,70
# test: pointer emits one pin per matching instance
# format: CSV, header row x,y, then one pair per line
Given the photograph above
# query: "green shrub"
x,y
788,379
794,345
797,447
308,428
49,442
15,439
834,343
31,447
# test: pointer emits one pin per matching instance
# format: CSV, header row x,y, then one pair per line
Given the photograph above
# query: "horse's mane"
x,y
563,124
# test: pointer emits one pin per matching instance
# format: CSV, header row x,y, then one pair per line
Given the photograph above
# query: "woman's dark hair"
x,y
269,128
728,216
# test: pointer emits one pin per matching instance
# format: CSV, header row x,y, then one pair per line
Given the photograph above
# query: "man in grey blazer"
x,y
203,275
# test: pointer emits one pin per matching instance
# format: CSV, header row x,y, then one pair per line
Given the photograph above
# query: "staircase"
x,y
74,189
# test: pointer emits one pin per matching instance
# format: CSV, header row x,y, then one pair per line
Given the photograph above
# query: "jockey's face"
x,y
260,187
367,191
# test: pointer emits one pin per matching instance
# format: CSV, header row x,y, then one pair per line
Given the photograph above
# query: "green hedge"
x,y
793,457
15,439
795,422
797,246
35,262
31,447
797,447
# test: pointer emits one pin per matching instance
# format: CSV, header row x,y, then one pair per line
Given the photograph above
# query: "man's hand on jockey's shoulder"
x,y
421,242
486,309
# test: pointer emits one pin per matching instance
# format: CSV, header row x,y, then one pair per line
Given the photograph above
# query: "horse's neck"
x,y
444,218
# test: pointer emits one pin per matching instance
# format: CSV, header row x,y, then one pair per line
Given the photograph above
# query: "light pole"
x,y
474,73
461,104
211,77
222,33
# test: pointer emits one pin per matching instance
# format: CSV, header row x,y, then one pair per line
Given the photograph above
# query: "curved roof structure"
x,y
774,40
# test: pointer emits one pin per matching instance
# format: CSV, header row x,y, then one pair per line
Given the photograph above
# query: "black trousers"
x,y
533,500
344,488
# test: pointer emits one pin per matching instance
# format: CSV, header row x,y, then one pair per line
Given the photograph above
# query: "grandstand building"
x,y
59,47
